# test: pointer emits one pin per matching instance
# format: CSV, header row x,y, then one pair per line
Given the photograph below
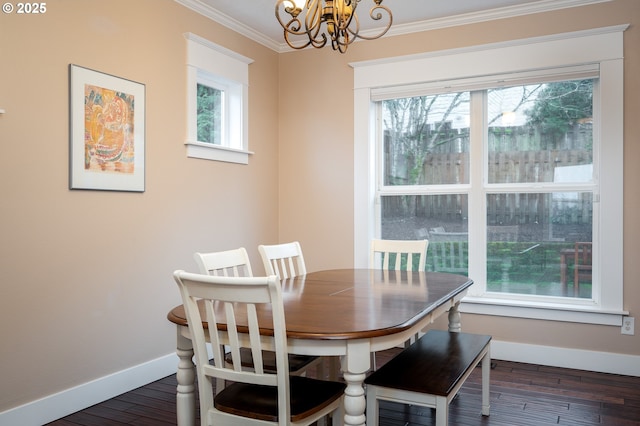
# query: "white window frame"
x,y
220,68
474,67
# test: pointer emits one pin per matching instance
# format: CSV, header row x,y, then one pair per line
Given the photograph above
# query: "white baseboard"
x,y
61,404
69,401
602,362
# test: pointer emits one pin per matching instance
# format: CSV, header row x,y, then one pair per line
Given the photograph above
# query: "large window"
x,y
217,89
535,149
508,158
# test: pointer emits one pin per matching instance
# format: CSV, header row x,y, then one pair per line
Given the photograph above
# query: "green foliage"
x,y
540,265
562,105
209,114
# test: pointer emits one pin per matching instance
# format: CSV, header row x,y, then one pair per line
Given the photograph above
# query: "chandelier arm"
x,y
355,31
343,16
293,45
313,21
316,42
293,27
377,17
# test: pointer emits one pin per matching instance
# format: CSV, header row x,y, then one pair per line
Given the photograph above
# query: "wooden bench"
x,y
430,373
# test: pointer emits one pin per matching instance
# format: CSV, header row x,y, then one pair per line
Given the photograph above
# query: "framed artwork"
x,y
107,132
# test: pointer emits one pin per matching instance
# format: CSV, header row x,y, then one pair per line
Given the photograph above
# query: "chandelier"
x,y
306,18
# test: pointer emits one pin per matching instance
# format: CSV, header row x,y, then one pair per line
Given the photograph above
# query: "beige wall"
x,y
316,155
87,275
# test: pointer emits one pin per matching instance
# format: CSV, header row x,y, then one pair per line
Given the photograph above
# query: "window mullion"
x,y
477,197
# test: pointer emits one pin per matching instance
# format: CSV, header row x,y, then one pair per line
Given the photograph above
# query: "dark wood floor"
x,y
521,395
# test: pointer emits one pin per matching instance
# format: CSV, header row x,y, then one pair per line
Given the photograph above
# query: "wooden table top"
x,y
358,303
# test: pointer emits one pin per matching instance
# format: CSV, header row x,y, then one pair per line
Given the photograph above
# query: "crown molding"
x,y
540,6
227,21
398,29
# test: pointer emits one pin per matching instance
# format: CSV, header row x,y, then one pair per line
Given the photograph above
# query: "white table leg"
x,y
185,395
354,401
454,318
354,367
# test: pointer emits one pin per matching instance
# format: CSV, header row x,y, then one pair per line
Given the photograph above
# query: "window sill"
x,y
587,314
207,151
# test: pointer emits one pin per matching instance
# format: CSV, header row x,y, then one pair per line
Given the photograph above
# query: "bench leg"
x,y
442,411
486,369
372,407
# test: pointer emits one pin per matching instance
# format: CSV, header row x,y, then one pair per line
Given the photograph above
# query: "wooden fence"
x,y
502,209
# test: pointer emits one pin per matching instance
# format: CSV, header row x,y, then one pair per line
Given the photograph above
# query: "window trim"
x,y
230,70
604,47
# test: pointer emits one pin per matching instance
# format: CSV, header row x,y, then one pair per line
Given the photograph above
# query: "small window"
x,y
217,102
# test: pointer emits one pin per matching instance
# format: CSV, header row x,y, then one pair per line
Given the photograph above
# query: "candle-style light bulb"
x,y
293,6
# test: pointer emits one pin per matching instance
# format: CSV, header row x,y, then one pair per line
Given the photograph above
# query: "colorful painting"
x,y
107,132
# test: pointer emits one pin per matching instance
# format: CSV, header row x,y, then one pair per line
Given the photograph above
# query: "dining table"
x,y
346,313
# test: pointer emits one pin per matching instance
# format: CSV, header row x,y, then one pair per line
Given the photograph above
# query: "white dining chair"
x,y
399,254
258,396
284,260
236,263
287,261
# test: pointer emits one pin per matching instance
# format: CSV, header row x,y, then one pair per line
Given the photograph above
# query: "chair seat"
x,y
308,396
296,362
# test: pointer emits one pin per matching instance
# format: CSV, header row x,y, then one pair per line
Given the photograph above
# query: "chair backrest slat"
x,y
283,260
234,263
400,249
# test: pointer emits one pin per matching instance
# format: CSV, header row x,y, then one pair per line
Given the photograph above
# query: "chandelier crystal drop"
x,y
315,22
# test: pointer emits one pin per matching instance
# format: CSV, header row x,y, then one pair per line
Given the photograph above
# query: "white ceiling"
x,y
256,18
